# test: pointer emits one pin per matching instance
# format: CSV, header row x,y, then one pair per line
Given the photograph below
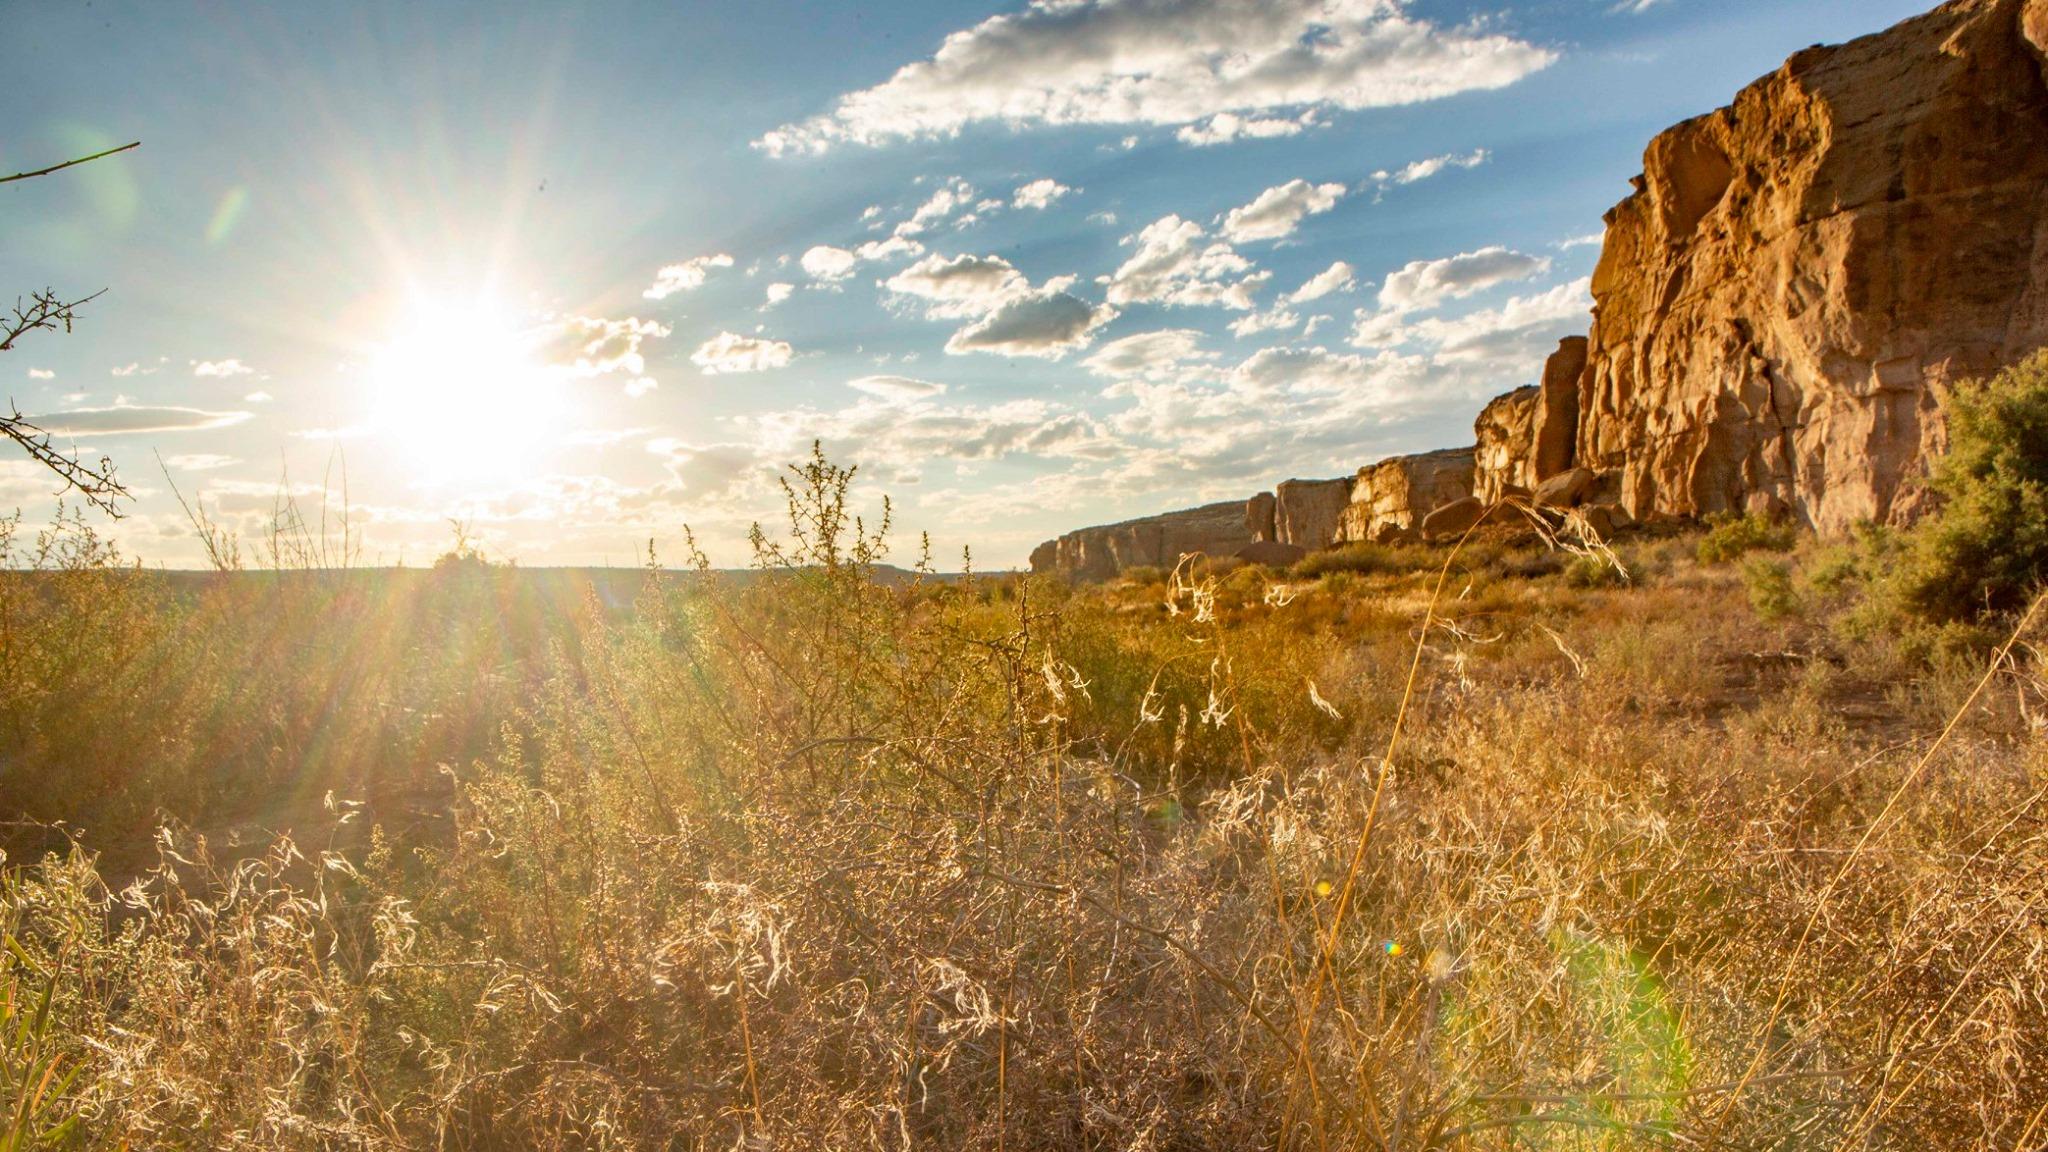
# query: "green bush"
x,y
1365,559
1770,587
1985,550
1732,537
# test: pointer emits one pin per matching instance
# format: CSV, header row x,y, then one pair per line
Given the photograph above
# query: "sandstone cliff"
x,y
1501,461
1797,274
1101,553
1391,498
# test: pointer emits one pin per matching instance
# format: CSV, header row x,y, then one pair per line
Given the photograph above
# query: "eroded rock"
x,y
1398,492
1308,513
1798,274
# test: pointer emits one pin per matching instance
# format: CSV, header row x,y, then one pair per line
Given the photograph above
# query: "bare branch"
x,y
95,482
45,310
69,163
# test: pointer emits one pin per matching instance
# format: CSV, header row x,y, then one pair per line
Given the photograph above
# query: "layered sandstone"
x,y
1394,495
1797,275
1092,554
1502,460
1307,513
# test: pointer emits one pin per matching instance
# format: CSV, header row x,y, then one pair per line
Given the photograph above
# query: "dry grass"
x,y
806,861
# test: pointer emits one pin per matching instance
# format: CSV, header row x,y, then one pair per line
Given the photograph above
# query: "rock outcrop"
x,y
1394,495
1502,462
1101,553
1796,276
1308,513
1554,428
1778,311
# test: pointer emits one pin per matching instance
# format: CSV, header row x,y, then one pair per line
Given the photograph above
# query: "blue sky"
x,y
578,276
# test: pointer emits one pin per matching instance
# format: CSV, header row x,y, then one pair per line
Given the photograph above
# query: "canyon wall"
x,y
1779,308
1797,275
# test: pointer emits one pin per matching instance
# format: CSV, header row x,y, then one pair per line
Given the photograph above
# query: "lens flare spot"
x,y
227,213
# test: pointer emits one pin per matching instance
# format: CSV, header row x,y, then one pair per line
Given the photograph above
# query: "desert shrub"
x,y
1730,537
1143,574
1591,572
1985,549
1771,590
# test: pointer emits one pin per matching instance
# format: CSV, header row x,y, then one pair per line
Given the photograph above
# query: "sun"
x,y
460,390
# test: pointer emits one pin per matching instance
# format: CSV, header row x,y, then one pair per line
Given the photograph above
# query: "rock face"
x,y
1101,553
1395,494
1554,425
1307,513
1258,516
1502,461
1797,274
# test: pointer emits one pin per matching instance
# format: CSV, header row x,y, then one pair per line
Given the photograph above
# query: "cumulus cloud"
x,y
1276,319
824,262
1169,62
41,374
902,434
896,387
221,368
1047,323
589,347
952,196
1338,277
1225,127
959,286
730,352
1423,169
130,419
1040,193
776,294
1525,326
1279,210
1177,263
687,276
1149,355
1424,284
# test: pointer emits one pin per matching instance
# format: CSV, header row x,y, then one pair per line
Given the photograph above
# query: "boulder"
x,y
1607,519
1398,492
1555,420
1271,553
1504,435
1798,276
1453,519
1307,513
1258,516
1564,490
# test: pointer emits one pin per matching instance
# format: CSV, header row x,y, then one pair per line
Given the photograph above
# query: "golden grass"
x,y
1459,852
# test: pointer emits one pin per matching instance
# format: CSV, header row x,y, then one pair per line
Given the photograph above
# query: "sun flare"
x,y
460,391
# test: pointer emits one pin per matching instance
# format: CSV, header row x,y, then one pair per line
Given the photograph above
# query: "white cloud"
x,y
1279,210
824,262
1423,169
730,352
897,245
138,368
1225,127
1338,277
41,374
1176,263
1149,355
257,398
901,388
1522,327
687,276
1040,193
960,286
128,419
1275,319
1047,323
1423,284
1581,241
589,347
776,294
221,368
952,196
1168,62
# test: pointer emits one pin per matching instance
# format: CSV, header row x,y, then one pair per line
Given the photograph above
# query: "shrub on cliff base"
x,y
1986,549
1731,537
